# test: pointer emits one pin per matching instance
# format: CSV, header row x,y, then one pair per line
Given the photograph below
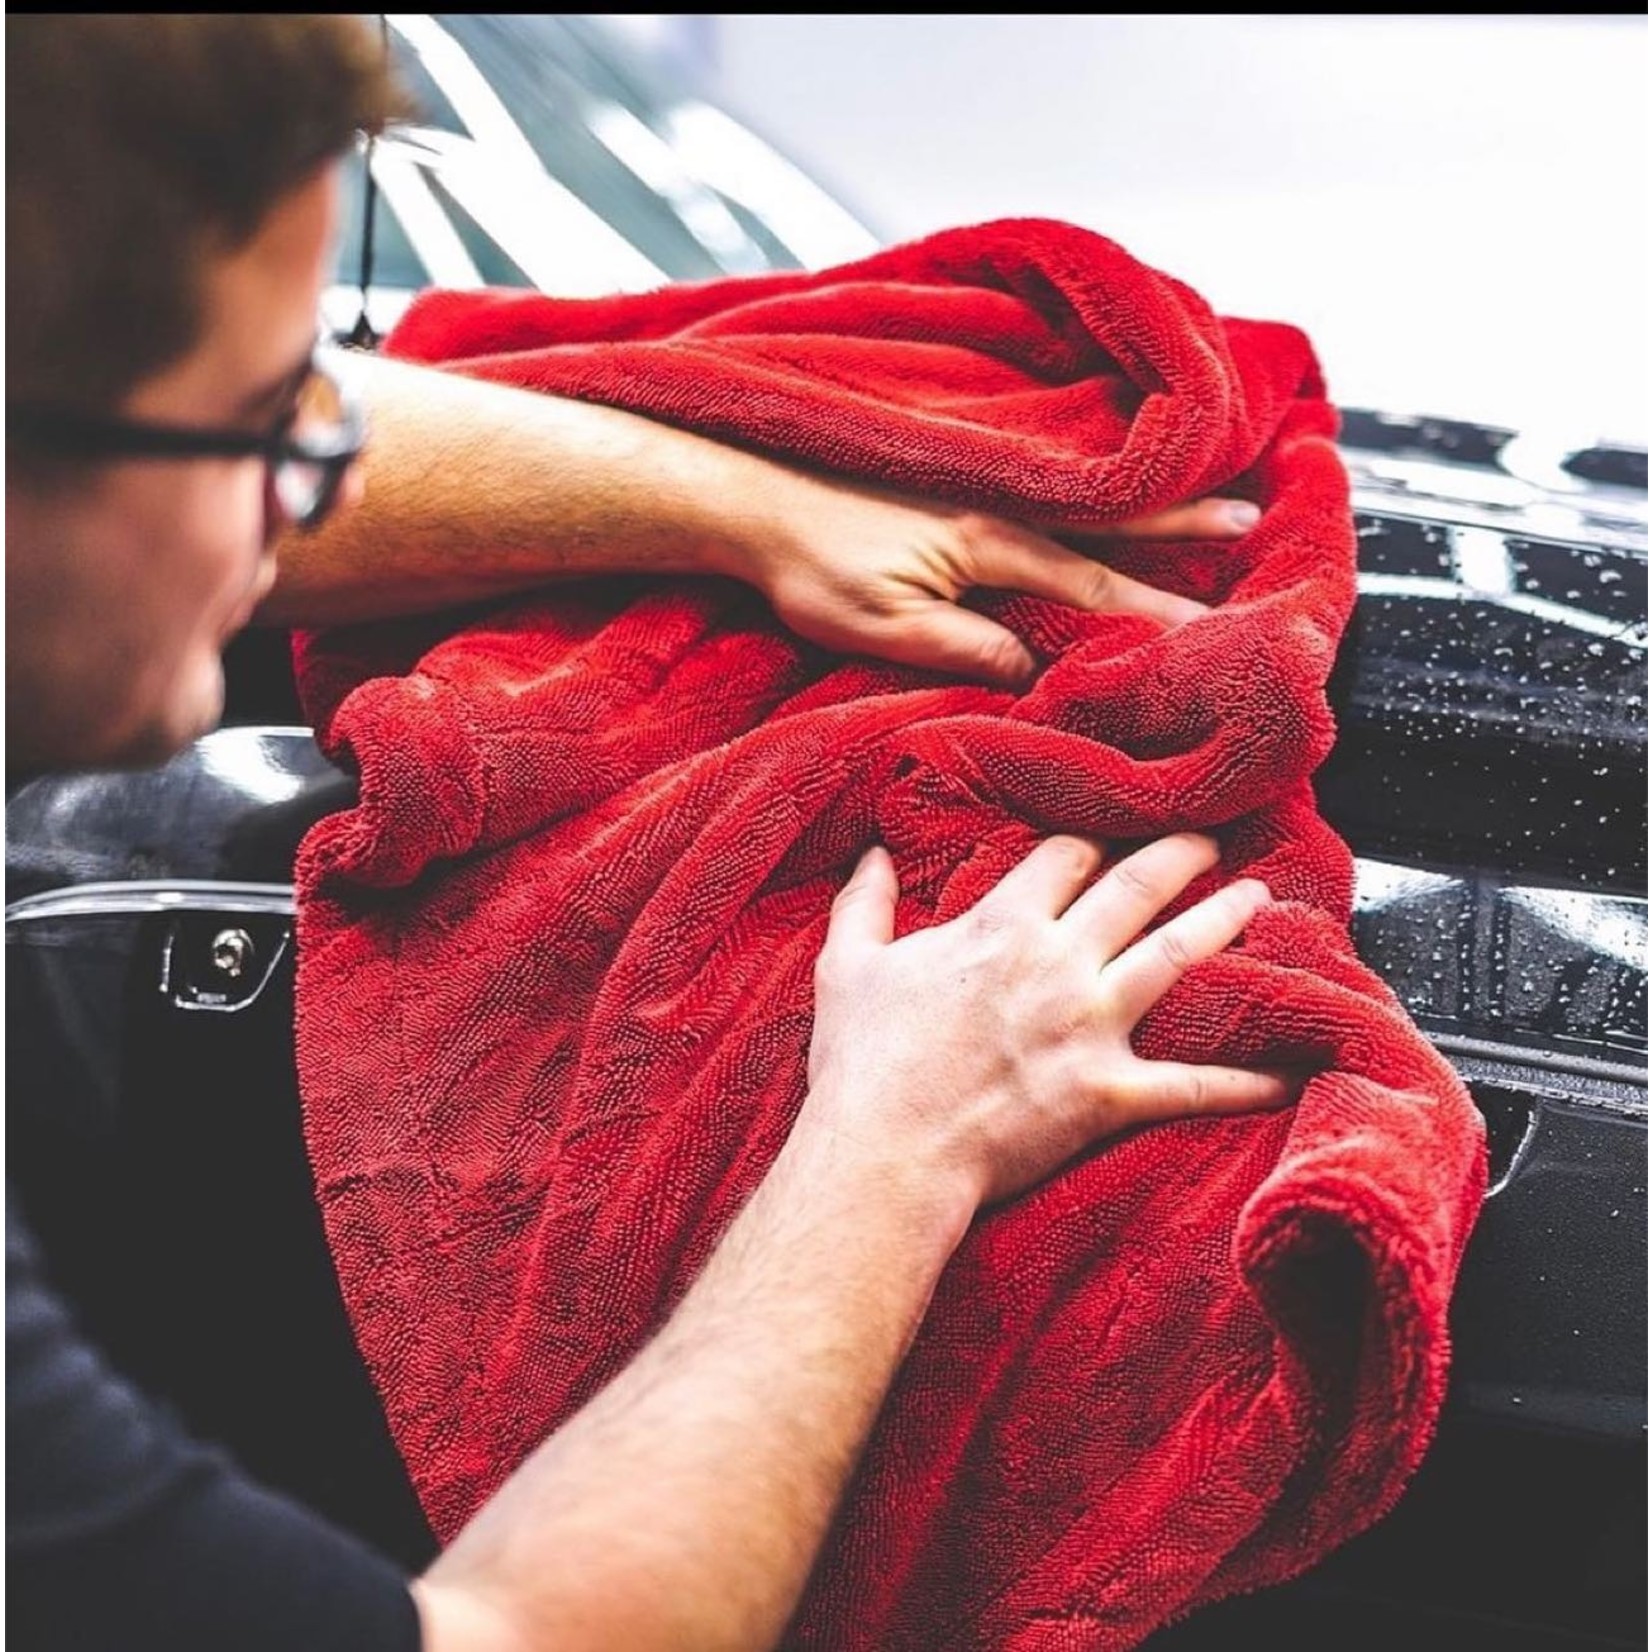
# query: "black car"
x,y
1490,775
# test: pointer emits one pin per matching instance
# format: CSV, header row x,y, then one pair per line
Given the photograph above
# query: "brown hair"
x,y
139,145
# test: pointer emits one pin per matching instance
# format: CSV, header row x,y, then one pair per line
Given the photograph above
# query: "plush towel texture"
x,y
554,987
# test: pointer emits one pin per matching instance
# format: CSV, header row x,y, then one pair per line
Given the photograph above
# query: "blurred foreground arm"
x,y
474,490
684,1506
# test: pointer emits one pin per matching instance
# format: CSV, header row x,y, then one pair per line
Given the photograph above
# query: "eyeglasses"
x,y
307,451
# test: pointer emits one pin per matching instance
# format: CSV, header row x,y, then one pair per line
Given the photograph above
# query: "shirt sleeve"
x,y
122,1532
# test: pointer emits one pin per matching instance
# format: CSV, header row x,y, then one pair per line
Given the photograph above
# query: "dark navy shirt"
x,y
123,1532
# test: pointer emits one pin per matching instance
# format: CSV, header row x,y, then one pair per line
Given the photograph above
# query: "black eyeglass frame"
x,y
69,434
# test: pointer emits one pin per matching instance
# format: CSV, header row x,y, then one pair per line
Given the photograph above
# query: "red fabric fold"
x,y
554,989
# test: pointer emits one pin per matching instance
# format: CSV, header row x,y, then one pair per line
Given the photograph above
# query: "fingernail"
x,y
1201,840
1019,670
1243,514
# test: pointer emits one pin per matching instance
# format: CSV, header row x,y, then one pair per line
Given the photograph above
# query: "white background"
x,y
1454,208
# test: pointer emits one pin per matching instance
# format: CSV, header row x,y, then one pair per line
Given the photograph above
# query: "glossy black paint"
x,y
233,806
1502,728
1556,974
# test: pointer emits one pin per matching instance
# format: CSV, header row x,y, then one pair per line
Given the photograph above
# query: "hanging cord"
x,y
362,335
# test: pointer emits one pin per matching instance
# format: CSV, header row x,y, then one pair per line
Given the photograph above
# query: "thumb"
x,y
940,636
1156,1090
1020,560
864,912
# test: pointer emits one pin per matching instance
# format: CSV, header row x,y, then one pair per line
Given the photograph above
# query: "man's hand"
x,y
989,1050
683,1507
476,490
870,572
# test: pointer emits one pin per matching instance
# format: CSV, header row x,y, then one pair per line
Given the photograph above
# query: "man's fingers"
x,y
1017,559
1151,1091
1136,980
1202,519
1110,914
940,636
863,914
1046,881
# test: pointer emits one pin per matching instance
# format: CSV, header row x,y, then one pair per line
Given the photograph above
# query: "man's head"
x,y
171,197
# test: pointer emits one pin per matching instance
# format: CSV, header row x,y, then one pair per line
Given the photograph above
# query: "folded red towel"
x,y
554,982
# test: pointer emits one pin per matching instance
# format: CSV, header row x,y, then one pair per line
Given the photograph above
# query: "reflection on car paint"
x,y
1475,958
1490,699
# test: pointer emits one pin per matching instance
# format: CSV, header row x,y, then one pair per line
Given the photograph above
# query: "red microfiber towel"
x,y
554,993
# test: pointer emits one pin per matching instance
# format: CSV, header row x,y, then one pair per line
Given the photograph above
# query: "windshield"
x,y
548,153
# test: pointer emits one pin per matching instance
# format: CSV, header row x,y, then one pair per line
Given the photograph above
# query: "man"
x,y
171,195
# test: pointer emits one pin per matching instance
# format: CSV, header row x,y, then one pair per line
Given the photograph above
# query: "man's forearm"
x,y
473,490
711,1466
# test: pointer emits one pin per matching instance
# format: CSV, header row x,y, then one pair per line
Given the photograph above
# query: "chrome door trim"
x,y
144,896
